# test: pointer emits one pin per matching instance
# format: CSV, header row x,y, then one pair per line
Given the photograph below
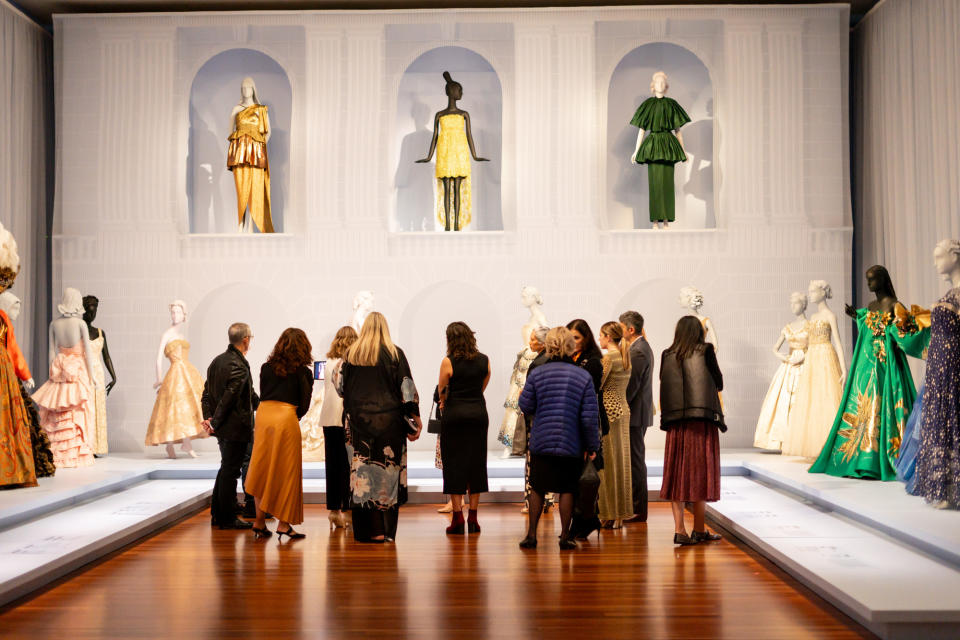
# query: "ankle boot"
x,y
456,524
472,525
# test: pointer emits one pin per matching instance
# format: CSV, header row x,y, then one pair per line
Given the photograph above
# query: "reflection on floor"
x,y
192,581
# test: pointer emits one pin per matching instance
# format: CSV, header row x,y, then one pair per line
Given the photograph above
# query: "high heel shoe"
x,y
261,533
337,520
566,544
290,533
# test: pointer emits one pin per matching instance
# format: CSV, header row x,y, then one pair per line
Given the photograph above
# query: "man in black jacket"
x,y
228,405
640,399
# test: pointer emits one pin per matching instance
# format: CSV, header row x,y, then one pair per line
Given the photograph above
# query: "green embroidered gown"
x,y
877,398
660,150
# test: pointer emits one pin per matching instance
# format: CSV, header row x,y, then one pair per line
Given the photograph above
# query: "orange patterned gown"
x,y
16,450
67,412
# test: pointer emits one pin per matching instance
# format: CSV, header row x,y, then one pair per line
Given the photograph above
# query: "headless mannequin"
x,y
818,295
878,283
90,307
362,306
178,316
798,306
659,90
248,98
451,185
10,304
69,329
946,259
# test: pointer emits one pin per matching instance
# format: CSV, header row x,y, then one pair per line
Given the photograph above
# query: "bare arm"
x,y
433,140
636,149
711,336
108,363
837,346
473,151
446,372
776,347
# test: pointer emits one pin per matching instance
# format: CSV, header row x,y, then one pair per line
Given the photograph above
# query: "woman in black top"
x,y
587,355
464,375
275,478
382,413
691,414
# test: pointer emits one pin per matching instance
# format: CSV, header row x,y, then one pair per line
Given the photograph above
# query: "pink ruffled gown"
x,y
67,410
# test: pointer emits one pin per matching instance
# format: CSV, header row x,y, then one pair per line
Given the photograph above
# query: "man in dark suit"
x,y
229,402
640,399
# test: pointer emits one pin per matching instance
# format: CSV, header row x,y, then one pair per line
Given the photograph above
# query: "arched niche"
x,y
420,96
421,332
215,90
627,185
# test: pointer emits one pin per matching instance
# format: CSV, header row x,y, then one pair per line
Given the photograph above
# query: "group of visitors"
x,y
582,403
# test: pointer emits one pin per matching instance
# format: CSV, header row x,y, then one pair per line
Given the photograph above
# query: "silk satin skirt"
x,y
275,477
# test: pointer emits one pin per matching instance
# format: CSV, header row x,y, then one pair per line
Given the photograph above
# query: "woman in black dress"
x,y
382,413
464,375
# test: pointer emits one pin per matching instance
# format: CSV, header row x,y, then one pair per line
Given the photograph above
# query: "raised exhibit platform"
x,y
886,559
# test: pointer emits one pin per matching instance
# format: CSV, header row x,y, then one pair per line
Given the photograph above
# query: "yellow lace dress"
x,y
453,161
177,414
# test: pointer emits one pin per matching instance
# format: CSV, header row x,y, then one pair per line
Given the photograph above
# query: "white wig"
x,y
71,305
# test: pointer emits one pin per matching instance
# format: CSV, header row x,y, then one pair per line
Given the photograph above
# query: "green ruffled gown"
x,y
865,439
660,150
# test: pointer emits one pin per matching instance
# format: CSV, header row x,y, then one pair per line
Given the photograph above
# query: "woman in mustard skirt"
x,y
275,478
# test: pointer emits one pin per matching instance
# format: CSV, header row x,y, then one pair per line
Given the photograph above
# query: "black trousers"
x,y
248,501
223,506
370,523
638,470
338,468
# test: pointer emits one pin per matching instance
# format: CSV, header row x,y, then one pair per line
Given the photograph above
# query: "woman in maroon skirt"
x,y
690,413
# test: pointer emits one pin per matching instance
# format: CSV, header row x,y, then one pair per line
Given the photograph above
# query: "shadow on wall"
x,y
237,302
421,332
211,195
419,97
690,85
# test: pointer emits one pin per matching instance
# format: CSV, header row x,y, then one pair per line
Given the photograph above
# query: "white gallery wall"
x,y
772,165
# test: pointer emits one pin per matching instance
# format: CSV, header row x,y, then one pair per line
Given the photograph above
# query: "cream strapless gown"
x,y
177,414
818,395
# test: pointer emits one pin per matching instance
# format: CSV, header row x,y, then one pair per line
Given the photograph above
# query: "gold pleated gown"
x,y
247,158
177,414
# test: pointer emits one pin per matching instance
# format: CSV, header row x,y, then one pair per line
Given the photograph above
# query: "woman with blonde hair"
x,y
334,443
382,412
616,495
275,478
561,398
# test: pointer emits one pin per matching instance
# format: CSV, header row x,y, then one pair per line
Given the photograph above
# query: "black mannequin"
x,y
880,284
90,306
451,185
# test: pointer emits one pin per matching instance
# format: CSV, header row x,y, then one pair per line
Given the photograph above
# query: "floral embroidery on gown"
x,y
16,449
817,397
774,417
177,414
512,418
66,408
311,431
864,441
938,459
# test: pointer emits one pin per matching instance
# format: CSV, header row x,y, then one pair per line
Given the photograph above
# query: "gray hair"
x,y
238,331
540,333
632,319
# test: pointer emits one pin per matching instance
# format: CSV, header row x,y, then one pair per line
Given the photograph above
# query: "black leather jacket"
x,y
689,390
228,397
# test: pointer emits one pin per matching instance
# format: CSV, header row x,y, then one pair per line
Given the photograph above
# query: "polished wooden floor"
x,y
193,582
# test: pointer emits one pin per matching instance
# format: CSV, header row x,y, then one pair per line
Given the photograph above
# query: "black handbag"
x,y
433,422
589,488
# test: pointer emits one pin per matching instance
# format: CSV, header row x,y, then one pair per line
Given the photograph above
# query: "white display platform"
x,y
885,558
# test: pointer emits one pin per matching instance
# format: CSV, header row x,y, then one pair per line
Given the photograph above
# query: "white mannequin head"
x,y
9,259
530,296
10,304
659,83
946,257
178,312
798,303
691,297
248,90
819,291
72,303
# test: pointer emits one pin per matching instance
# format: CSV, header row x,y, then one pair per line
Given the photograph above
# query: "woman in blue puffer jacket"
x,y
561,398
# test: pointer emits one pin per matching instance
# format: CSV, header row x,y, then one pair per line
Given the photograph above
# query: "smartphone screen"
x,y
319,369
